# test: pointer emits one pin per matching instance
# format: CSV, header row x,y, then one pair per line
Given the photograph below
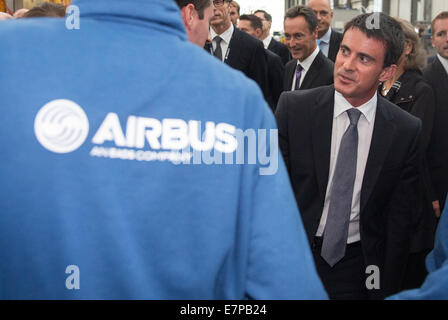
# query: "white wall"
x,y
401,9
439,6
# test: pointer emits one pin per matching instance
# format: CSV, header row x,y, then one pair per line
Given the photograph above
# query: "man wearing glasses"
x,y
236,48
328,39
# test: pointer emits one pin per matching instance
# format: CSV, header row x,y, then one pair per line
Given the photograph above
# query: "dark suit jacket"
x,y
320,73
281,50
305,120
276,71
415,96
437,78
335,42
247,55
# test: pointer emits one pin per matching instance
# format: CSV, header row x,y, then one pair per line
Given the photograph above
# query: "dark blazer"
x,y
305,120
320,73
437,78
281,50
412,94
335,43
247,55
276,71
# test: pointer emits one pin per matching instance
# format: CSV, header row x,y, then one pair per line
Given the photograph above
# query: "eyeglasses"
x,y
219,3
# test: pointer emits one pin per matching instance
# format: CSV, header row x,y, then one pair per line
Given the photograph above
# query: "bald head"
x,y
322,9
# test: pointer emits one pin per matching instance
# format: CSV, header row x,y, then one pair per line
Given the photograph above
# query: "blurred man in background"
x,y
328,39
269,42
234,12
253,26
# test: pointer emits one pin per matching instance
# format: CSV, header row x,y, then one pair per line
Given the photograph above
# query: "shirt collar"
x,y
226,36
444,62
326,37
306,64
367,109
267,41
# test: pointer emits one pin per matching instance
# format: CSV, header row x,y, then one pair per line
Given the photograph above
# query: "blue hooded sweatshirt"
x,y
435,286
96,199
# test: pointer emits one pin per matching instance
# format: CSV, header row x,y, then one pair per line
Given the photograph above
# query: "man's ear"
x,y
316,33
187,13
258,32
388,73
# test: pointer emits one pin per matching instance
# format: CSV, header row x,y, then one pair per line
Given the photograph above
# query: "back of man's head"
x,y
199,5
384,28
46,9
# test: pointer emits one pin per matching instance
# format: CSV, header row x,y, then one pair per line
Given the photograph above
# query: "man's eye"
x,y
364,59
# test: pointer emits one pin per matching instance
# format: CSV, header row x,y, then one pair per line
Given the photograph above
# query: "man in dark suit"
x,y
252,25
269,42
328,39
437,76
353,160
311,68
236,48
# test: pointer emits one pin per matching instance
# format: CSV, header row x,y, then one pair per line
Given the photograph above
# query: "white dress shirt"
x,y
306,65
444,62
341,122
325,42
267,41
226,36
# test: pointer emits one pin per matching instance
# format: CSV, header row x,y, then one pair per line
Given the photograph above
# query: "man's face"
x,y
300,41
221,14
266,23
324,14
234,14
201,27
439,37
358,69
244,25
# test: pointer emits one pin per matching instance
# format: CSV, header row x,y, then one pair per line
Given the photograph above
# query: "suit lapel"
x,y
321,137
313,72
383,132
441,72
234,49
290,72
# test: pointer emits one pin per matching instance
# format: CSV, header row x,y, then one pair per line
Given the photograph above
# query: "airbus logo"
x,y
61,126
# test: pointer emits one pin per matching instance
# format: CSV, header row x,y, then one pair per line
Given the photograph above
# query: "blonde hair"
x,y
417,58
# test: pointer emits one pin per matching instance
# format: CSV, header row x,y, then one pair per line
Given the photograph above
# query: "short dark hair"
x,y
46,9
255,22
199,5
442,15
267,16
389,33
307,13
